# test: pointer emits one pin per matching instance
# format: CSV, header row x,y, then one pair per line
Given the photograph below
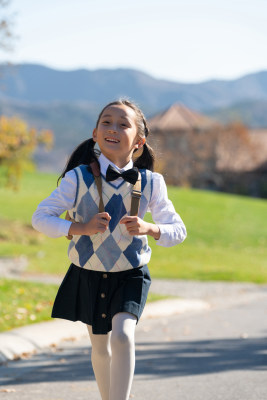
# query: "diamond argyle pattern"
x,y
116,210
82,209
84,247
132,253
88,178
108,253
114,250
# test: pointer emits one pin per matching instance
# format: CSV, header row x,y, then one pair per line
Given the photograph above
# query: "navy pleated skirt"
x,y
94,297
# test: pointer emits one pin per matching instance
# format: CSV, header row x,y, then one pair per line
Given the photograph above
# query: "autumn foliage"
x,y
17,144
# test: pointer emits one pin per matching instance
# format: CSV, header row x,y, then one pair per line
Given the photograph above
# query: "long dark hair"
x,y
85,153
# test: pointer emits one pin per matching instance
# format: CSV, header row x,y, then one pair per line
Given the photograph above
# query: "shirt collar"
x,y
104,163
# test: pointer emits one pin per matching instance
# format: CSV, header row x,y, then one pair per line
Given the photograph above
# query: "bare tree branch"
x,y
6,25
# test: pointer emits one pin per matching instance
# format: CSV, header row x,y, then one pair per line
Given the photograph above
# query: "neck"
x,y
118,161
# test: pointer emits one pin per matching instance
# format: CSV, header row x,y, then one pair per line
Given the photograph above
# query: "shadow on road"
x,y
158,360
201,357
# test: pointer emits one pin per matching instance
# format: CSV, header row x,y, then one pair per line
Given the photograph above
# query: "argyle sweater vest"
x,y
115,250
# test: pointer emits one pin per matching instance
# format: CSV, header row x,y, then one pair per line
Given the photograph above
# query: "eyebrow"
x,y
108,115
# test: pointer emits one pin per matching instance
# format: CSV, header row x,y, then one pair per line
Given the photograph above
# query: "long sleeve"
x,y
46,217
172,228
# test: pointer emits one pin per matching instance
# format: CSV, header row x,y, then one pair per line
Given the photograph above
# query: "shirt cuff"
x,y
171,235
64,227
164,239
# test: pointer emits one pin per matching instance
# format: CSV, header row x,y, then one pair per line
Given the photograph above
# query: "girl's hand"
x,y
136,226
97,224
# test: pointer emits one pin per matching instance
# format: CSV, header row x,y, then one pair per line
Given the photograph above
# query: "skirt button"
x,y
105,276
103,295
103,315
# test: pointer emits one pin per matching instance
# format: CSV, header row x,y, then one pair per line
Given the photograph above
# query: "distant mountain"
x,y
251,113
39,84
68,102
67,120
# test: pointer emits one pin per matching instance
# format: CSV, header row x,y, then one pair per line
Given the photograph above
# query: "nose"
x,y
112,130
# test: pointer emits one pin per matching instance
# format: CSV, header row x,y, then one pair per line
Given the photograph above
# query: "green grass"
x,y
226,239
45,255
226,235
24,303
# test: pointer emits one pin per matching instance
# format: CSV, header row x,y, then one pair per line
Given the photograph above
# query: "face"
x,y
116,134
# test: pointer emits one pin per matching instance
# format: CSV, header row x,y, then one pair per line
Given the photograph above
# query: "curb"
x,y
166,308
30,339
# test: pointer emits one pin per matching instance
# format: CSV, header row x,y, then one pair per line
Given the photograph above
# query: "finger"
x,y
133,233
103,222
124,220
133,230
102,227
130,225
105,215
102,230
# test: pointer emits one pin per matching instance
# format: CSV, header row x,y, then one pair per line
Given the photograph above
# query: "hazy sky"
x,y
182,40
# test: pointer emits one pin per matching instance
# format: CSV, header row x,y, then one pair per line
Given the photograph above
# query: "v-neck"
x,y
111,184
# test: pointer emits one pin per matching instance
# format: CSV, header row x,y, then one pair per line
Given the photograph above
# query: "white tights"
x,y
113,357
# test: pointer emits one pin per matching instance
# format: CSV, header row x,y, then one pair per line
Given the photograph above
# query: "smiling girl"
x,y
107,283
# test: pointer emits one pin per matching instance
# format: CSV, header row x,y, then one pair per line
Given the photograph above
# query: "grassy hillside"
x,y
226,235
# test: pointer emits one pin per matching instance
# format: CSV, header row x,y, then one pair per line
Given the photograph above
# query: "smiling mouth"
x,y
112,140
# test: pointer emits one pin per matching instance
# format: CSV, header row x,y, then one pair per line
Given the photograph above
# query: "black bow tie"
x,y
131,175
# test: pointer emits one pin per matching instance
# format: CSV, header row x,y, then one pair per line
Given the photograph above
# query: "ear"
x,y
140,143
95,135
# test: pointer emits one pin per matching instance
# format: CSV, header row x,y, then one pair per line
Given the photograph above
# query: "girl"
x,y
107,283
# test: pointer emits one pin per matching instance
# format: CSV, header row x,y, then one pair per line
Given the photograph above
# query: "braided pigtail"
x,y
147,158
83,154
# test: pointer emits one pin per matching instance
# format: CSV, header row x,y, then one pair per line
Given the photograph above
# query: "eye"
x,y
105,122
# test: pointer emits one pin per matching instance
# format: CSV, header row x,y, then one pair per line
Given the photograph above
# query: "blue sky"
x,y
186,41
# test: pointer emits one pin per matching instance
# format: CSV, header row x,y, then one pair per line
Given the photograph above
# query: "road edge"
x,y
31,339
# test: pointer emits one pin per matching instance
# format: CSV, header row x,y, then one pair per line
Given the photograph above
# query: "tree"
x,y
6,35
17,144
235,150
17,140
188,156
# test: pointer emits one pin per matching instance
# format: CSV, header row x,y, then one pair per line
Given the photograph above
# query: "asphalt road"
x,y
210,355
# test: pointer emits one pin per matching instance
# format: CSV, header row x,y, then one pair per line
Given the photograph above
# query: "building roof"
x,y
179,117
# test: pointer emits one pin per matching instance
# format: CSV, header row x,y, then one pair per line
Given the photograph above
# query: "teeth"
x,y
112,140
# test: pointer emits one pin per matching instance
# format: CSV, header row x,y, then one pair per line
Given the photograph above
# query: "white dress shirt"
x,y
47,219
